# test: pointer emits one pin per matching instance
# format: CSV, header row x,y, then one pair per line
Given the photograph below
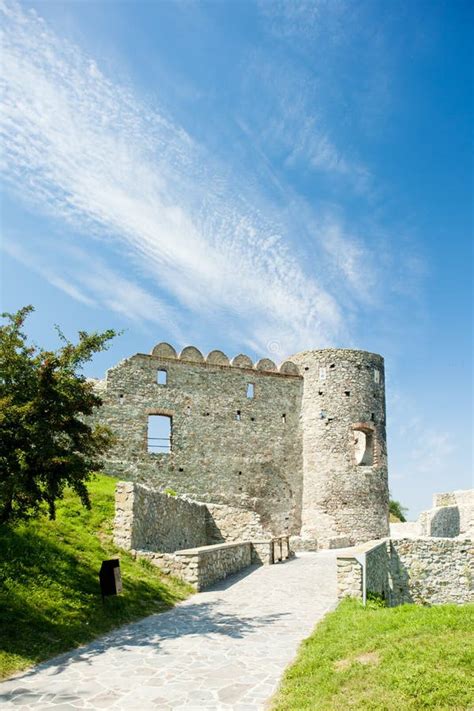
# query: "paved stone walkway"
x,y
222,649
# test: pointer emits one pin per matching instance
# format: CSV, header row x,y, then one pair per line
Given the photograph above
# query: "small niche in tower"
x,y
322,373
347,393
283,418
120,399
320,392
238,416
332,366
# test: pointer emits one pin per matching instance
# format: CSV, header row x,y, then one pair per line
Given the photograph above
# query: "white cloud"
x,y
87,151
88,280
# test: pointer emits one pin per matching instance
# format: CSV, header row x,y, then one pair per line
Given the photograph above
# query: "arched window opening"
x,y
250,391
364,447
159,434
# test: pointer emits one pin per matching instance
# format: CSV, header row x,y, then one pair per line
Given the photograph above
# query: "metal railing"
x,y
166,447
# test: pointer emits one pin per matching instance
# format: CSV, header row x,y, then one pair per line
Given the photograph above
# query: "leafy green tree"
x,y
396,509
46,440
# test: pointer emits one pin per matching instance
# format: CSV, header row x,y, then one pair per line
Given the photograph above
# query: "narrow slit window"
x,y
376,375
322,373
238,416
283,418
162,376
250,391
159,434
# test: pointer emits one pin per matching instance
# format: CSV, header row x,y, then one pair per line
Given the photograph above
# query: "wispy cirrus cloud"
x,y
85,149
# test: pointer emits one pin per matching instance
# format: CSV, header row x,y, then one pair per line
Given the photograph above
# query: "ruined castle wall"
x,y
150,520
226,448
232,524
345,483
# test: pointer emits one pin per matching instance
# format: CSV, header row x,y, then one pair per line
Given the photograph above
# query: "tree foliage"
x,y
46,440
396,509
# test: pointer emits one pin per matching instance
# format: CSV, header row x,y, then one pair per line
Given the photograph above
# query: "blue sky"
x,y
259,177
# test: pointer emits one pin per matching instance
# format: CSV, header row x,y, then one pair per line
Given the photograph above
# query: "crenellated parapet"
x,y
191,354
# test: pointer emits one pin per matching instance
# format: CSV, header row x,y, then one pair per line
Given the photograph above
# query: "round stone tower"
x,y
345,479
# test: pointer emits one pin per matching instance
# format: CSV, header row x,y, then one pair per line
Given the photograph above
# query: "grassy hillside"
x,y
49,587
384,659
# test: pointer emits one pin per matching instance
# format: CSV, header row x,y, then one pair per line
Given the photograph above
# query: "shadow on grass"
x,y
50,598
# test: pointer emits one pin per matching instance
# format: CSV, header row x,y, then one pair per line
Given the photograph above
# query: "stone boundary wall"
x,y
432,570
151,520
201,567
422,570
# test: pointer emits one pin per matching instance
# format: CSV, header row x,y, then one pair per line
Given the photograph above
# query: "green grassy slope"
x,y
49,587
384,659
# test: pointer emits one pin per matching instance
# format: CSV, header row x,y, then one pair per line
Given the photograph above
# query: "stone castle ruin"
x,y
297,450
225,463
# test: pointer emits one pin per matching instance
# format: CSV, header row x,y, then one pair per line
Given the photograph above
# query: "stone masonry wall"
x,y
226,448
201,567
452,515
432,570
150,520
422,570
232,524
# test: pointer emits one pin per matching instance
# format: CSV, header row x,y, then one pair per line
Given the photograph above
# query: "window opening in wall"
x,y
332,366
252,419
250,390
180,469
376,375
347,393
322,373
120,399
159,434
372,416
364,447
320,392
161,376
322,415
283,418
238,415
306,368
188,409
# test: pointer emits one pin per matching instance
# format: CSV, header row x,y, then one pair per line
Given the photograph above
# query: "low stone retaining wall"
x,y
422,570
203,566
432,570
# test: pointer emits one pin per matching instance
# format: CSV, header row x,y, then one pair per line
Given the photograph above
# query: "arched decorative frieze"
x,y
164,350
217,358
266,364
242,361
191,354
289,368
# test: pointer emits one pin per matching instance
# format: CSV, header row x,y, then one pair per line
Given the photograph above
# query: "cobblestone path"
x,y
222,649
